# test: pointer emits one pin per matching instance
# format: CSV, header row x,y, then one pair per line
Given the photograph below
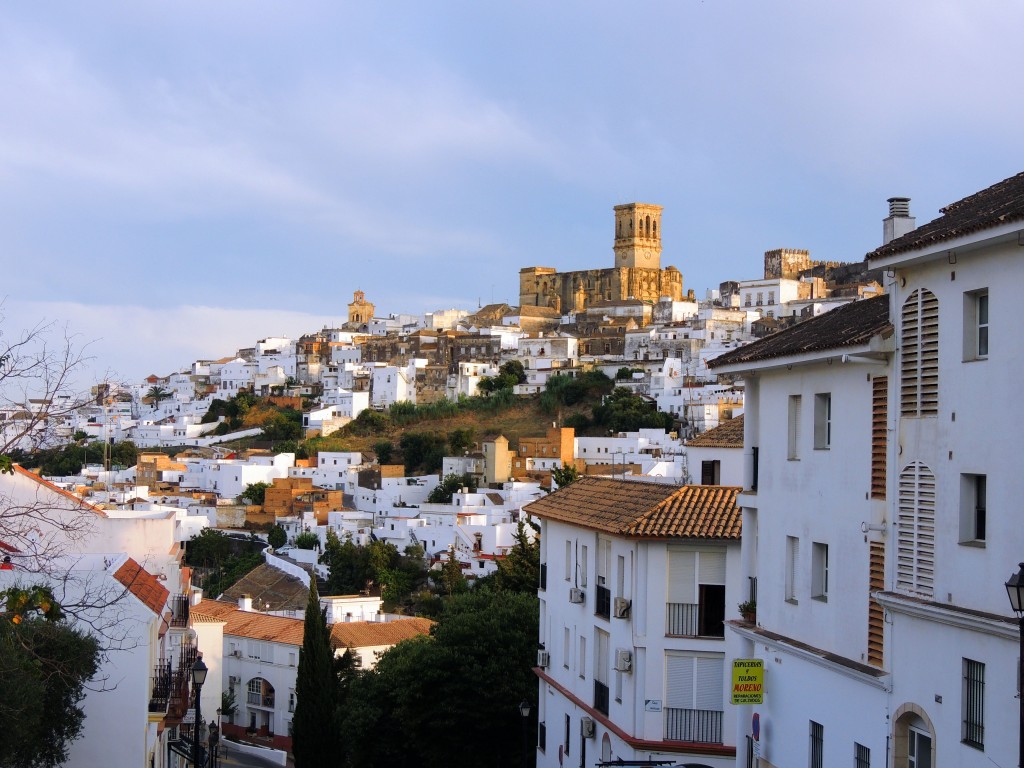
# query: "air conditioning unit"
x,y
577,595
587,727
543,658
621,608
623,660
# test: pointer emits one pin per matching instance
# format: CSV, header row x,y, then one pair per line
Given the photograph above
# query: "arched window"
x,y
655,228
915,534
919,354
648,226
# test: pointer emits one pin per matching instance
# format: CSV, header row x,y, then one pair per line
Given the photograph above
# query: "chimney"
x,y
245,603
899,221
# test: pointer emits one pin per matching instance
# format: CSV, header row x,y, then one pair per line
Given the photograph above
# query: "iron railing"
x,y
703,726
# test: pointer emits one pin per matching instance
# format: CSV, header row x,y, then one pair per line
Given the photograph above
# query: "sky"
x,y
181,179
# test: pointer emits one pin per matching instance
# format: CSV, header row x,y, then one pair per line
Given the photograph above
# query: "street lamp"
x,y
524,713
198,678
1015,589
213,742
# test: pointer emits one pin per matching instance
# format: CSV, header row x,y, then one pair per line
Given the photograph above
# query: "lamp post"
x,y
214,740
1015,589
198,678
524,713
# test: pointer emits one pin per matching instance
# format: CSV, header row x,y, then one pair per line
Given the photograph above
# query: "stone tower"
x,y
638,236
360,311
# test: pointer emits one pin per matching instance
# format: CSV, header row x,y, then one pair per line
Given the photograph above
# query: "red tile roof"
x,y
728,434
144,585
644,510
359,634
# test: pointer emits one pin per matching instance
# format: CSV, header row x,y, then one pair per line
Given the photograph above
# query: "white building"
x,y
637,580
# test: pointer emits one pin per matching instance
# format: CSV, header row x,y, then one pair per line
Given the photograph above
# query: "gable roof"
x,y
270,586
728,434
250,624
1001,203
643,509
360,634
143,584
850,325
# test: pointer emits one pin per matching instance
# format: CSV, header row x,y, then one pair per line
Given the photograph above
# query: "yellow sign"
x,y
748,681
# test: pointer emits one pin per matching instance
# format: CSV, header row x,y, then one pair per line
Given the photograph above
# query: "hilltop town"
x,y
745,511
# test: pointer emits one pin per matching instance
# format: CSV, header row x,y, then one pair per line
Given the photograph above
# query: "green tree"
x,y
157,393
565,475
451,579
307,540
45,664
519,570
449,486
384,450
514,369
255,493
348,565
276,537
315,738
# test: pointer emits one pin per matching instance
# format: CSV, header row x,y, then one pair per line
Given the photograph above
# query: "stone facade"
x,y
360,311
637,273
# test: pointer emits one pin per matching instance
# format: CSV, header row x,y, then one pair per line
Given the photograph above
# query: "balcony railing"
x,y
179,610
601,697
259,699
161,687
692,620
699,725
604,602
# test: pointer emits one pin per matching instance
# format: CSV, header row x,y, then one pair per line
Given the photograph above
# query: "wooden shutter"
x,y
876,616
919,354
879,434
915,537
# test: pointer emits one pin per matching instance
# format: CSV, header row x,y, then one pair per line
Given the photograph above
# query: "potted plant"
x,y
748,610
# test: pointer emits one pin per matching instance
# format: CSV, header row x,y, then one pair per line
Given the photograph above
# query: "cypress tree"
x,y
315,739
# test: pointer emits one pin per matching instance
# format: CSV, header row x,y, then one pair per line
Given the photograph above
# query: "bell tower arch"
x,y
638,236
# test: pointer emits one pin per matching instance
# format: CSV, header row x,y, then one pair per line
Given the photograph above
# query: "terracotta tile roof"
x,y
728,434
359,634
47,484
257,626
644,510
1001,203
846,326
144,585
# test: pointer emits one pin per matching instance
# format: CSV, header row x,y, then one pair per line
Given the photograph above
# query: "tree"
x,y
519,570
348,565
45,664
315,739
276,537
384,450
449,486
307,540
255,493
565,475
453,695
451,578
514,368
156,394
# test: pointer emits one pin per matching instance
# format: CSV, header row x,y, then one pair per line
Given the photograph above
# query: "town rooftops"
x,y
143,585
1001,203
644,510
728,434
270,586
851,325
256,626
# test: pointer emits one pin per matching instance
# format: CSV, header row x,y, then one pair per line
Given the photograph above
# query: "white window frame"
x,y
819,571
822,421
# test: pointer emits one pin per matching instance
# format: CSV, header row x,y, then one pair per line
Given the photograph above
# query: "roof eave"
x,y
950,249
878,348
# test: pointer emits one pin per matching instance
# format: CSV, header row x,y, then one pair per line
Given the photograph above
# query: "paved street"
x,y
233,758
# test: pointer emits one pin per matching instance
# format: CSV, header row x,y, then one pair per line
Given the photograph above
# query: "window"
x,y
973,492
583,566
582,660
792,563
822,421
861,756
817,746
566,646
919,748
879,434
567,732
973,704
710,472
915,533
919,361
568,560
976,325
819,571
694,699
794,428
696,593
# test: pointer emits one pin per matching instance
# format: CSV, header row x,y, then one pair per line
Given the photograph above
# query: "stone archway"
x,y
913,738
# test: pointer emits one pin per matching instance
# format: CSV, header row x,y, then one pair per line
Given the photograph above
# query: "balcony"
x,y
179,610
703,726
703,619
161,687
259,699
604,603
601,698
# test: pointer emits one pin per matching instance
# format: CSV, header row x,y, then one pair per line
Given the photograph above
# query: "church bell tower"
x,y
638,236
